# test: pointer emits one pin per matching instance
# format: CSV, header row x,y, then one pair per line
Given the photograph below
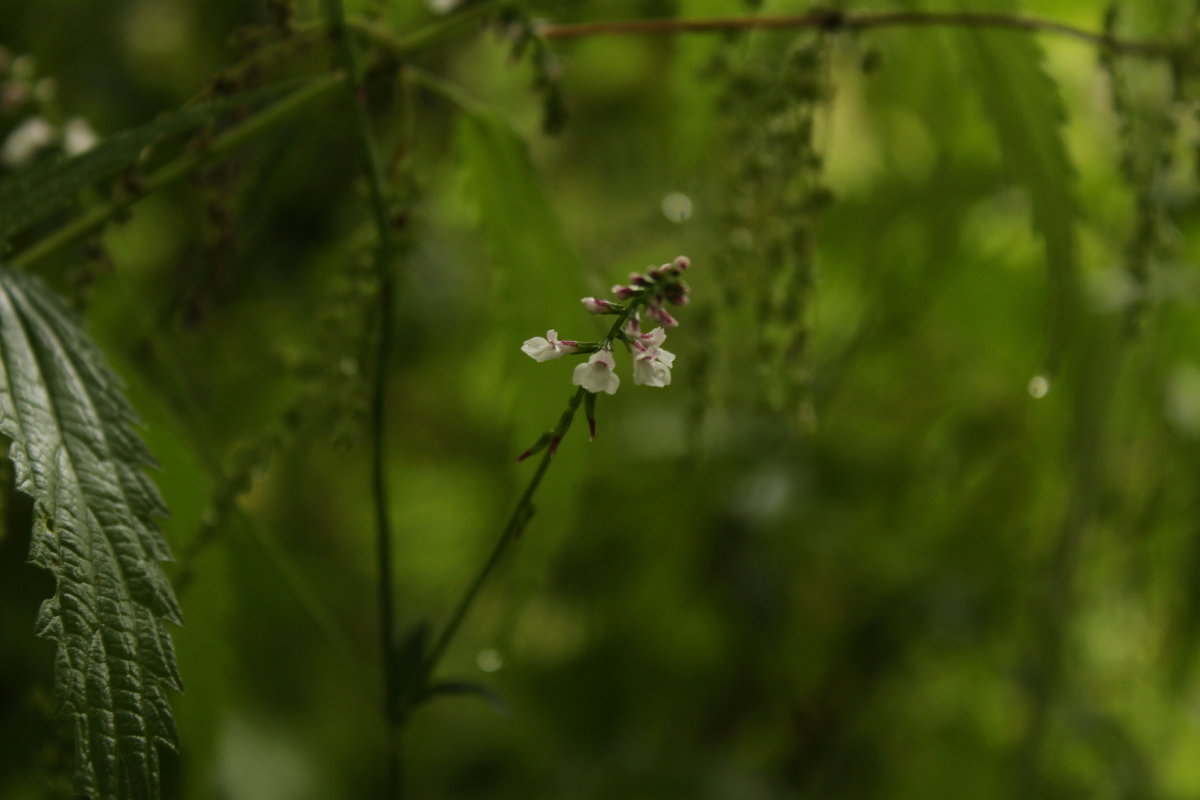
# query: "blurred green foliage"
x,y
947,545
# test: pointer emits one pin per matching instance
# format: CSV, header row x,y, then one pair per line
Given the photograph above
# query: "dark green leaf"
x,y
33,194
75,453
1026,110
468,688
517,219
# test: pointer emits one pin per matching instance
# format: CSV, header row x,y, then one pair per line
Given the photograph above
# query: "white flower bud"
x,y
78,137
25,140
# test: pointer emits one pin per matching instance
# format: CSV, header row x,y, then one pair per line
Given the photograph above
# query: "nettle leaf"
x,y
1026,110
525,239
480,690
75,453
518,221
31,195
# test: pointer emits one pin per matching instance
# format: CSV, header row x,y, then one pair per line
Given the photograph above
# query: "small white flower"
x,y
78,137
540,349
652,367
25,140
654,338
597,374
652,364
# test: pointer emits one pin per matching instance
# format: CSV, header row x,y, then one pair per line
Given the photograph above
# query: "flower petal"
x,y
596,374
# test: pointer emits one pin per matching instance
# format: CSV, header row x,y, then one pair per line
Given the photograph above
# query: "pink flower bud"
x,y
677,293
623,292
662,315
597,306
682,263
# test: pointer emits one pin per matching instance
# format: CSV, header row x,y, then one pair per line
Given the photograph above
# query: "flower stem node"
x,y
538,446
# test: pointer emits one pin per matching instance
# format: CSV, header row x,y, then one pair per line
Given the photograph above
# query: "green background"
x,y
902,575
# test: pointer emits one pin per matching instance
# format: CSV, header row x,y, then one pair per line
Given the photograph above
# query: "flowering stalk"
x,y
520,517
647,293
384,255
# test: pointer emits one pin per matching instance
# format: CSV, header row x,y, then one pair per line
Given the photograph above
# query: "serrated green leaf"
x,y
75,453
1024,105
518,221
451,688
33,194
522,232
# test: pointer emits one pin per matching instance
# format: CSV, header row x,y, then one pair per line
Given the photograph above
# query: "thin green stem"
x,y
372,32
521,515
448,90
255,126
436,31
181,167
361,124
379,493
835,21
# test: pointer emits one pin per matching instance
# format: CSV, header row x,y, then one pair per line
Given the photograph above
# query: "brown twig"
x,y
835,21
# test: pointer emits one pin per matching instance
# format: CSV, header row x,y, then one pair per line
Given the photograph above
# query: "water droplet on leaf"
x,y
489,660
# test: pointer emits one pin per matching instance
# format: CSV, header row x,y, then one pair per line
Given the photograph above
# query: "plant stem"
x,y
379,493
248,130
512,530
436,31
181,167
520,517
450,91
362,127
836,21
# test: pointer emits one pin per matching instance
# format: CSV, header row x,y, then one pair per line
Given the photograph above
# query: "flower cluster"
x,y
26,131
645,294
658,285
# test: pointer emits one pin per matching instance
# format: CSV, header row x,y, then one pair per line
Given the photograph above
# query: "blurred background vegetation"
x,y
916,519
